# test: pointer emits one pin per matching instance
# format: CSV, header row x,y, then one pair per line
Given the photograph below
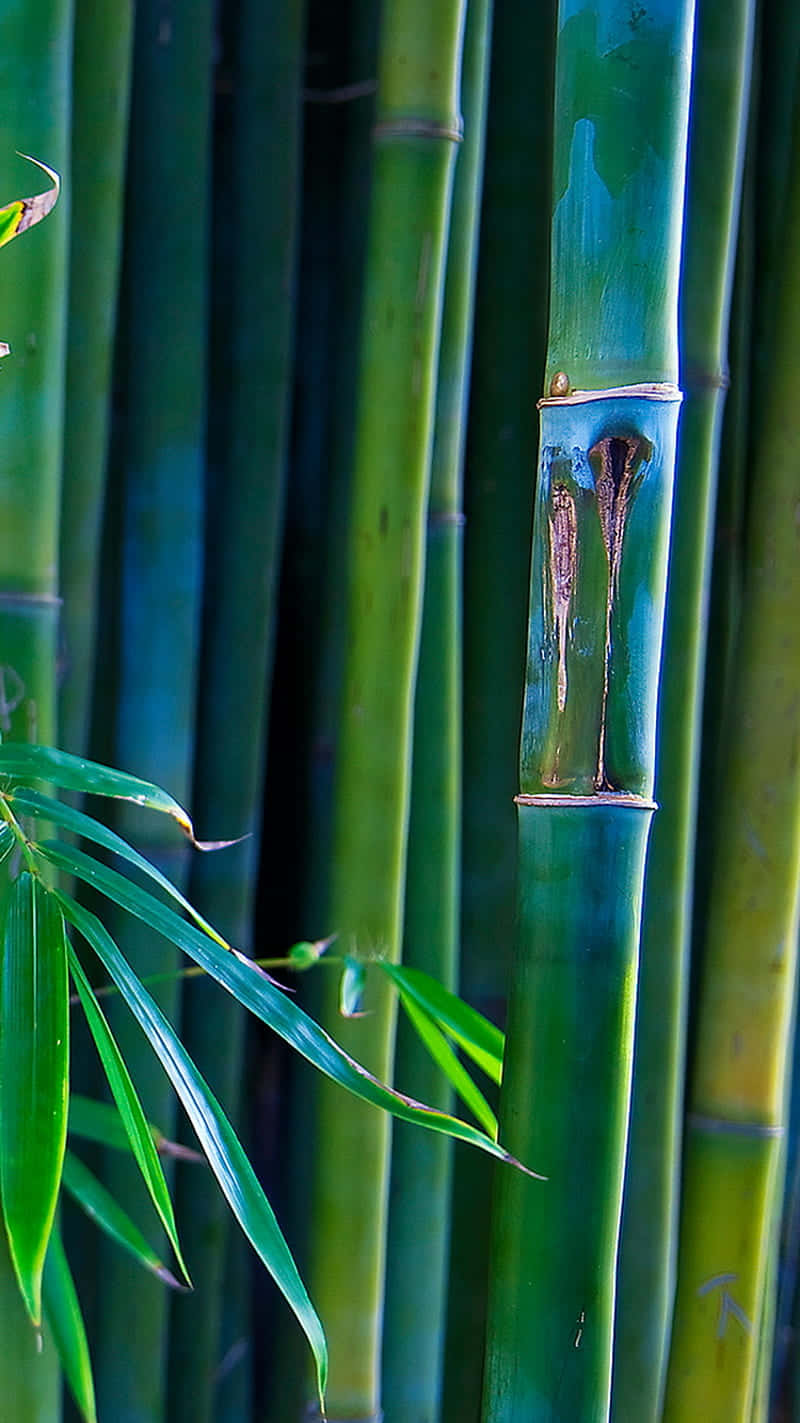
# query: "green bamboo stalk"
x,y
245,507
646,1272
35,56
736,1099
338,125
160,570
419,1197
510,330
601,530
417,121
100,84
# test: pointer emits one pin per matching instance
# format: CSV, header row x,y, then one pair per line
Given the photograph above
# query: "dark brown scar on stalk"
x,y
563,562
613,462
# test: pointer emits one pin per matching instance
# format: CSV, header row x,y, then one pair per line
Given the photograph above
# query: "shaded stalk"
x,y
646,1274
160,562
508,353
35,58
587,756
100,81
247,452
737,1088
417,123
419,1198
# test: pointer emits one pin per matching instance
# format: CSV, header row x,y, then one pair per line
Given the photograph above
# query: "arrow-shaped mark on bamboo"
x,y
727,1304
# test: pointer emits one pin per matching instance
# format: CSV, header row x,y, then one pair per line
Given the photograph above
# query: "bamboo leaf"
x,y
23,213
63,1312
34,1036
101,1122
225,1154
129,1107
473,1032
31,802
258,992
100,1206
351,988
455,1072
74,773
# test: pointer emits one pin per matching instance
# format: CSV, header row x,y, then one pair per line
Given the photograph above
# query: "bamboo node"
x,y
453,130
657,390
627,798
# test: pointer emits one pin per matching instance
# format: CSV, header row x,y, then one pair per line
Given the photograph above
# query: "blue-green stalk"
x,y
587,758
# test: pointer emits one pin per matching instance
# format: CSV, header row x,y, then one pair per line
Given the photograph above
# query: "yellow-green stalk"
x,y
417,128
736,1103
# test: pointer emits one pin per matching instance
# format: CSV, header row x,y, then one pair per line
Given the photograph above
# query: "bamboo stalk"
x,y
646,1272
417,123
736,1099
245,509
35,52
510,329
601,530
419,1198
100,83
160,577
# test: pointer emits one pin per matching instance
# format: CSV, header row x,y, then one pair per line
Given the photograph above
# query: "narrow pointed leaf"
x,y
32,803
101,1122
257,992
129,1107
63,1313
34,1033
455,1072
98,1203
483,1042
222,1147
23,213
74,773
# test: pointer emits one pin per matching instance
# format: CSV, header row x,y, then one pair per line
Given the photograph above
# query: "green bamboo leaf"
x,y
23,213
351,988
222,1147
478,1037
259,993
129,1107
74,773
100,1206
101,1122
34,1058
63,1312
32,803
455,1072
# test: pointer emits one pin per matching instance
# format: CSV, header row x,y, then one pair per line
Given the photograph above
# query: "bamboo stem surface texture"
x,y
601,530
736,1101
723,43
419,1200
418,125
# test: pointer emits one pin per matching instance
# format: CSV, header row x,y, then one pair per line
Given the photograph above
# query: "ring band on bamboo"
x,y
637,802
419,128
663,390
718,1124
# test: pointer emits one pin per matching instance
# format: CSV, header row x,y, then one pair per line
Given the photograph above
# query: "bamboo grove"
x,y
401,436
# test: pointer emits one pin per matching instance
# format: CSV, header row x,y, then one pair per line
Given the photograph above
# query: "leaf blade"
x,y
129,1108
257,992
435,1043
63,1312
223,1150
34,1038
101,1207
484,1042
